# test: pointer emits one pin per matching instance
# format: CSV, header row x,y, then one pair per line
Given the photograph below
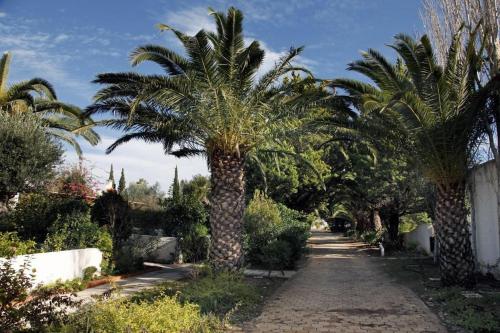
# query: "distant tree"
x,y
176,187
121,183
198,187
111,177
143,193
27,155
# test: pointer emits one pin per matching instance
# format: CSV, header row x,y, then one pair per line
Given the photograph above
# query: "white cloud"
x,y
3,14
48,66
140,160
61,38
190,21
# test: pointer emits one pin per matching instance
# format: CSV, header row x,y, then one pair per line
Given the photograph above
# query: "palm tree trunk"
x,y
377,221
455,261
227,206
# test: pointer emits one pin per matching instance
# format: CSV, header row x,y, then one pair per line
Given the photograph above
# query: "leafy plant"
x,y
165,314
219,293
27,155
11,245
25,311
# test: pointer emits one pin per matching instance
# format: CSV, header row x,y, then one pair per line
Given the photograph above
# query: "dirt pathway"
x,y
341,289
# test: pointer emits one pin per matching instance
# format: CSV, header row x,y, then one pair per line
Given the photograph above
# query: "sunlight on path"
x,y
341,289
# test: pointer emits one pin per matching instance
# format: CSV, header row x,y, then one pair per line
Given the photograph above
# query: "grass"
x,y
458,313
231,297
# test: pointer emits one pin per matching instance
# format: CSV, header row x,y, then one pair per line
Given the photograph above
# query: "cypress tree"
x,y
176,187
121,183
112,177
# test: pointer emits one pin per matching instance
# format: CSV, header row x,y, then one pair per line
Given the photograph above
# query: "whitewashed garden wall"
x,y
62,265
484,227
421,238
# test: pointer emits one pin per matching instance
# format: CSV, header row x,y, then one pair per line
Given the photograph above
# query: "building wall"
x,y
485,228
62,265
421,237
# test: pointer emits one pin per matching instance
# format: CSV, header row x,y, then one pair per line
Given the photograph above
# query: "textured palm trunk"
x,y
377,221
455,260
227,206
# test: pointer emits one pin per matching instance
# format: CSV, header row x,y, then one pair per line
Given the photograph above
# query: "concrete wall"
x,y
421,237
62,265
485,229
157,249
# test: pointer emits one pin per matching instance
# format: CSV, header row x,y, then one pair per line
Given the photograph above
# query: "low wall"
x,y
157,249
421,237
62,265
485,227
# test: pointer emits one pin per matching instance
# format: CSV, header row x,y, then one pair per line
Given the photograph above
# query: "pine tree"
x,y
176,187
112,177
121,183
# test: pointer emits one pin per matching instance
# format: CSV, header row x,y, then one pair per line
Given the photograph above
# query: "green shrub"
x,y
276,245
166,314
89,273
220,293
188,219
20,313
27,154
371,237
150,220
11,245
74,231
261,214
277,254
77,231
35,213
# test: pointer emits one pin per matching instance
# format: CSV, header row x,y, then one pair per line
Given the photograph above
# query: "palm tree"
x,y
437,108
207,102
63,121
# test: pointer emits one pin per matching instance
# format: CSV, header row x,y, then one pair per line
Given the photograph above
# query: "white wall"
x,y
485,229
154,248
421,237
62,265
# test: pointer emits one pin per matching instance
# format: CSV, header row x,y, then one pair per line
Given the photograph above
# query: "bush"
x,y
11,245
277,244
188,219
150,220
77,231
277,254
35,213
22,311
166,314
261,214
27,155
220,293
371,237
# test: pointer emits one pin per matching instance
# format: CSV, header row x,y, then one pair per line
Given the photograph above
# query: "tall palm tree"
x,y
63,121
437,107
207,102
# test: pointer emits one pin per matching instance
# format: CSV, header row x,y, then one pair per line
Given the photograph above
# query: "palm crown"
x,y
207,100
436,105
62,121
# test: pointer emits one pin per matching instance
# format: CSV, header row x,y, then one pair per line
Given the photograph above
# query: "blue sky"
x,y
68,42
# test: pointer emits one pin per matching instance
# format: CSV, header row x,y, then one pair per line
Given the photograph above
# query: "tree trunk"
x,y
377,221
227,206
393,228
455,261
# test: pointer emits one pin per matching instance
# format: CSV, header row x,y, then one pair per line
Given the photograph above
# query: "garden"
x,y
378,158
